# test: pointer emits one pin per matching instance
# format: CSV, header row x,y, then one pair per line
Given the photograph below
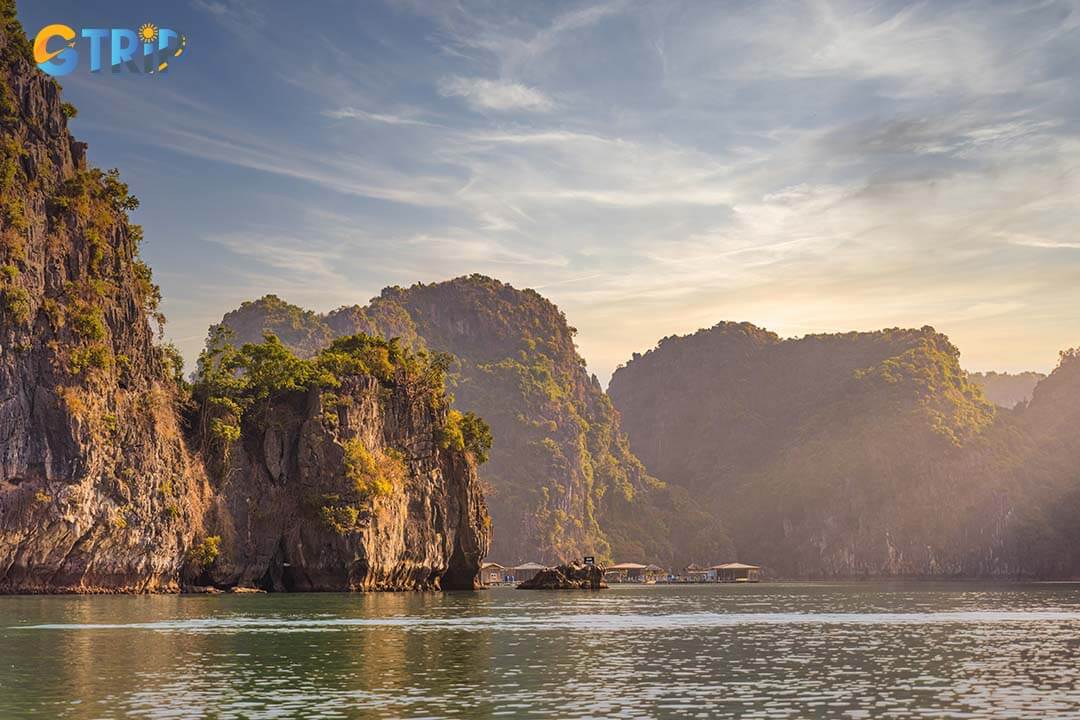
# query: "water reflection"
x,y
775,651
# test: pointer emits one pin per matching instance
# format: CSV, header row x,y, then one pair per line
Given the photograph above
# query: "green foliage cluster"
x,y
226,429
468,432
101,201
928,377
17,46
97,356
232,380
12,209
88,322
173,360
14,299
15,302
342,519
205,553
147,289
14,224
372,475
9,111
91,193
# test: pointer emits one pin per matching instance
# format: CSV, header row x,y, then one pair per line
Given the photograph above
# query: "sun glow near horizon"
x,y
652,168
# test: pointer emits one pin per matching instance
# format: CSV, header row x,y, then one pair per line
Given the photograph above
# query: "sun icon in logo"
x,y
148,32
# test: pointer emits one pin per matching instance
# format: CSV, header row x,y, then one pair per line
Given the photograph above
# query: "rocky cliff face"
x,y
561,481
99,487
97,491
345,491
1036,452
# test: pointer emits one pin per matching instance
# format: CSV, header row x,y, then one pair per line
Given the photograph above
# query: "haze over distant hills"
x,y
859,453
845,454
1007,389
319,457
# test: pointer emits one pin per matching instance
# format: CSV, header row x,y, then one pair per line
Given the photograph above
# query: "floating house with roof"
x,y
697,574
492,573
737,572
527,571
629,572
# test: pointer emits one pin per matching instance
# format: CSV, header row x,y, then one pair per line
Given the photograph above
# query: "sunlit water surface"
x,y
762,651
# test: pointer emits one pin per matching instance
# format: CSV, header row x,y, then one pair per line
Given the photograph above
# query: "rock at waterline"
x,y
574,576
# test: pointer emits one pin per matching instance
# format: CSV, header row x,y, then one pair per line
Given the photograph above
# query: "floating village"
x,y
492,574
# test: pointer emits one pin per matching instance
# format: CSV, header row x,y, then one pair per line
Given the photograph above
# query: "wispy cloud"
x,y
351,113
498,95
1044,243
655,167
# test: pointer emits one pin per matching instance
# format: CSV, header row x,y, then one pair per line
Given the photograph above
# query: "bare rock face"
x,y
348,493
574,576
97,491
100,490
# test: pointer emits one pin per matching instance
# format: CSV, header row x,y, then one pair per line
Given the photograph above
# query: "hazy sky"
x,y
652,167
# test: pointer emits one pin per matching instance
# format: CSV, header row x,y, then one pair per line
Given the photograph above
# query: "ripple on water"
x,y
561,623
801,651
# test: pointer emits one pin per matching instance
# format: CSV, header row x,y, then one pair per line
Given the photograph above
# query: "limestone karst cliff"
x,y
105,483
561,480
97,489
345,472
858,453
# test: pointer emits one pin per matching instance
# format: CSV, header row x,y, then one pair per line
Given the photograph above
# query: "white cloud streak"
x,y
656,168
497,95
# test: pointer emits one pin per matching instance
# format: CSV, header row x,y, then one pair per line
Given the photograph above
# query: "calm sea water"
x,y
762,651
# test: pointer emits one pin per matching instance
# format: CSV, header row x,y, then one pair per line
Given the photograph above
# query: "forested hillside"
x,y
561,481
849,454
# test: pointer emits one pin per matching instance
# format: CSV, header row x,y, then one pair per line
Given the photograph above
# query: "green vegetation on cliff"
x,y
90,409
560,481
236,382
316,472
857,453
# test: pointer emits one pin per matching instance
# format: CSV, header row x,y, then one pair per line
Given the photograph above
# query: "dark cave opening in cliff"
x,y
280,575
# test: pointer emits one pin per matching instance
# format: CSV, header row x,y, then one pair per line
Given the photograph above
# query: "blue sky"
x,y
652,167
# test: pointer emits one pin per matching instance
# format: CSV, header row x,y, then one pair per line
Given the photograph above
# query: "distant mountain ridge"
x,y
1007,389
855,453
828,455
